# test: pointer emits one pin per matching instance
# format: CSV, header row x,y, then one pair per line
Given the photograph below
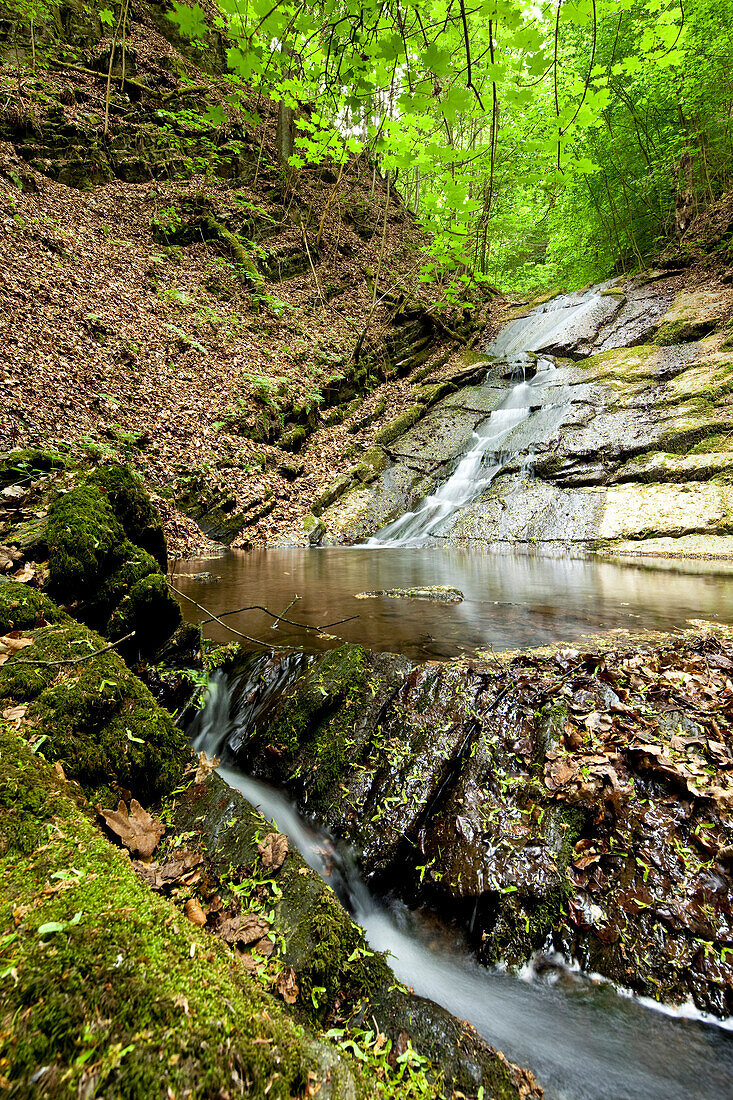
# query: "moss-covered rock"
x,y
105,987
24,465
133,508
99,537
397,427
95,717
693,315
332,493
23,608
482,789
316,719
338,976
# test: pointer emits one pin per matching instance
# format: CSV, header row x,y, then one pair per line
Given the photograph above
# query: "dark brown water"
x,y
511,600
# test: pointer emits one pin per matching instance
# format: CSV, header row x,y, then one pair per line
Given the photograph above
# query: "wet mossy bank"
x,y
114,985
110,990
578,801
100,540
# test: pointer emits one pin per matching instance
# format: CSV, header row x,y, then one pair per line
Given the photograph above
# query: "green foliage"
x,y
537,145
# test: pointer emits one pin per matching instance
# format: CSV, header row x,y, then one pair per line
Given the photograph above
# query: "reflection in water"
x,y
511,600
581,1039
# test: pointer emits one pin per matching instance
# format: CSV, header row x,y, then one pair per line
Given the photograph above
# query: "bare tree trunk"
x,y
284,133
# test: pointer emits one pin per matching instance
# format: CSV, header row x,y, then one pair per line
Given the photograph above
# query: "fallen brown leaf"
x,y
246,928
205,767
273,850
138,831
10,643
287,986
194,912
15,714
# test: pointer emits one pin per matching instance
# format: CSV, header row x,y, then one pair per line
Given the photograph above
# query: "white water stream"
x,y
475,471
582,1039
559,320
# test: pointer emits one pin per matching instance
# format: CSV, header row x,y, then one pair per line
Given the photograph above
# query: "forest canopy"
x,y
539,144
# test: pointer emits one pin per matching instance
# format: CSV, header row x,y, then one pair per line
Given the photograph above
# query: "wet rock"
x,y
337,976
571,798
314,529
440,437
692,316
596,419
395,428
440,593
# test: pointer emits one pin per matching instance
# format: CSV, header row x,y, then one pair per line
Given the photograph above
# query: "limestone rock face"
x,y
628,442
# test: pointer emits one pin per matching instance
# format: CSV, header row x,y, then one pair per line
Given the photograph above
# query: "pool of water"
x,y
510,600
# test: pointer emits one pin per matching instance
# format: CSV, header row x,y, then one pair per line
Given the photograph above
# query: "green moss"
x,y
397,427
715,444
86,542
428,395
332,493
316,719
684,331
149,610
114,581
26,465
295,438
105,986
97,719
133,508
22,608
332,960
627,370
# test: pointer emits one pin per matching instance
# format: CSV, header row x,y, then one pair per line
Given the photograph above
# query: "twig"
x,y
280,618
75,660
286,608
310,261
216,619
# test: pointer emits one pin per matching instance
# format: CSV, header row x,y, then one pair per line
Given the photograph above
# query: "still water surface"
x,y
511,600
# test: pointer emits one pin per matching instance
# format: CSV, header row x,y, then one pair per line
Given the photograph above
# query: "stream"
x,y
511,600
582,1038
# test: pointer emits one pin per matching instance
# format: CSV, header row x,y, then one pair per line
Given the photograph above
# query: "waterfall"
x,y
479,466
562,322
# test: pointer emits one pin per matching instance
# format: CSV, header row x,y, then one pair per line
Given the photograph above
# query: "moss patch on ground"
x,y
106,989
95,717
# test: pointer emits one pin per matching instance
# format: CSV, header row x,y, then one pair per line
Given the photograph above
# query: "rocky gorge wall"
x,y
629,450
555,800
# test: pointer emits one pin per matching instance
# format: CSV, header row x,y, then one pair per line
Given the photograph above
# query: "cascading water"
x,y
545,327
581,1038
475,471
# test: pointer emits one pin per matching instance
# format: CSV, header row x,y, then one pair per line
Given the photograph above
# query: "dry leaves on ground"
x,y
15,714
287,986
139,832
273,850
